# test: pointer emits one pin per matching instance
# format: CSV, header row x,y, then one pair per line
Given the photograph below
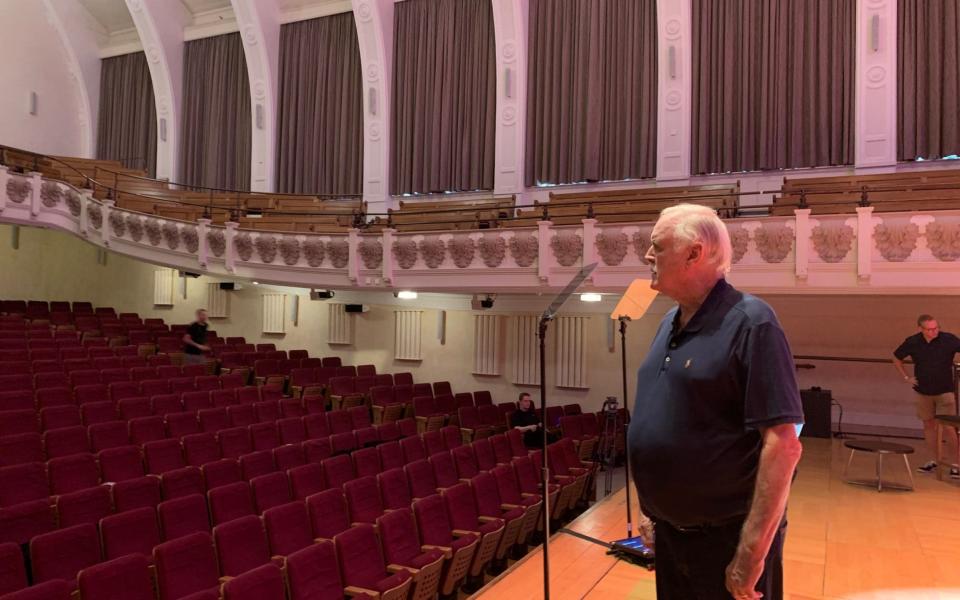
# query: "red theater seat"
x,y
187,567
124,578
63,553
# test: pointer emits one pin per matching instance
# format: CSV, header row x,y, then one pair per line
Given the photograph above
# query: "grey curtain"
x,y
215,131
444,96
127,115
928,78
772,84
591,91
320,116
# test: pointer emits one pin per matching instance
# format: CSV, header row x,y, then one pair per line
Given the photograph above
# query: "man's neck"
x,y
690,303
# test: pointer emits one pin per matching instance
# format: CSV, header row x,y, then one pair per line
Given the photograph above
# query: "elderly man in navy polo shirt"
x,y
713,437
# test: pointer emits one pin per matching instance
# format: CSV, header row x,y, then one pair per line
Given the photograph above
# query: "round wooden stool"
x,y
879,449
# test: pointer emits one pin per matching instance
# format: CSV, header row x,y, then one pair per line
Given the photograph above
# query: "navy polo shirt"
x,y
933,361
703,393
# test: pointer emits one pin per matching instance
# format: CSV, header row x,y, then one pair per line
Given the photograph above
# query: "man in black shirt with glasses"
x,y
932,352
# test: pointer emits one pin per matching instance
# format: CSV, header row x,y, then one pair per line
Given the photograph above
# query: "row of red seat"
x,y
62,351
119,396
80,486
102,426
20,308
288,526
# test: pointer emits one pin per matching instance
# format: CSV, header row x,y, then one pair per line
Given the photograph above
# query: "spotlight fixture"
x,y
321,294
407,295
590,297
483,302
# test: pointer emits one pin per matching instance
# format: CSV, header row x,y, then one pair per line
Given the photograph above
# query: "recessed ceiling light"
x,y
590,297
256,283
407,295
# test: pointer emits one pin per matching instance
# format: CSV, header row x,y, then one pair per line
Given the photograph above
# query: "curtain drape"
x,y
215,132
320,115
773,84
127,115
928,78
591,91
444,96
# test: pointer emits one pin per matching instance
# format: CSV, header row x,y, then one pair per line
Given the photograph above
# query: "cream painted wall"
x,y
52,265
36,61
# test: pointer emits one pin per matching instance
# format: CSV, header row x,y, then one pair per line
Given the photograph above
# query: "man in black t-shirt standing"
x,y
932,352
195,340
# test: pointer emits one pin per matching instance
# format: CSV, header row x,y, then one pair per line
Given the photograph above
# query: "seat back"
x,y
328,513
185,566
229,502
241,545
63,553
130,532
394,489
313,572
288,528
423,482
360,556
183,516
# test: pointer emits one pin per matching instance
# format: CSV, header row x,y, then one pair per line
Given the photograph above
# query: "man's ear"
x,y
695,253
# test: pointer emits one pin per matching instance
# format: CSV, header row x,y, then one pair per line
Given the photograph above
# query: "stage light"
x,y
590,297
407,295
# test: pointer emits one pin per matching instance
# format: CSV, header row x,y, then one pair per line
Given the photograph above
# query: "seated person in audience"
x,y
526,420
195,339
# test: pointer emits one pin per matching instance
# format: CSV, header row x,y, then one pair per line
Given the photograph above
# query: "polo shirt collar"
x,y
713,299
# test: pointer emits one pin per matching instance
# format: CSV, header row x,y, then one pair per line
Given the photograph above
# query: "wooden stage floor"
x,y
843,541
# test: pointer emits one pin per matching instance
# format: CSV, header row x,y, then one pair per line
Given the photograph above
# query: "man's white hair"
x,y
696,223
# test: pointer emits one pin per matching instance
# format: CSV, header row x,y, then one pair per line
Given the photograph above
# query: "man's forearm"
x,y
899,366
778,459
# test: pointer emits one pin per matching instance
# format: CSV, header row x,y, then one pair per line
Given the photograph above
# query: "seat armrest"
x,y
398,568
447,550
352,590
486,519
462,532
225,578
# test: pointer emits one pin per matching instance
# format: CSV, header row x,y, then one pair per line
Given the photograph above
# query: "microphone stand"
x,y
545,474
545,318
626,452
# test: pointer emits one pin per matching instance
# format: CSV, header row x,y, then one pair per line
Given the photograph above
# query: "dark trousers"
x,y
692,565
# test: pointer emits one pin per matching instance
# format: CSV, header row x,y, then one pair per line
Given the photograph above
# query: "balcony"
x,y
846,253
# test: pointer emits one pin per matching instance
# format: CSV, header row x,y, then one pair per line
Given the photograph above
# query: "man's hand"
x,y
912,381
203,348
645,527
743,573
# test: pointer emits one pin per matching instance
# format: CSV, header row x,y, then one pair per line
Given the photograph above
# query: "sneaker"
x,y
954,472
930,467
